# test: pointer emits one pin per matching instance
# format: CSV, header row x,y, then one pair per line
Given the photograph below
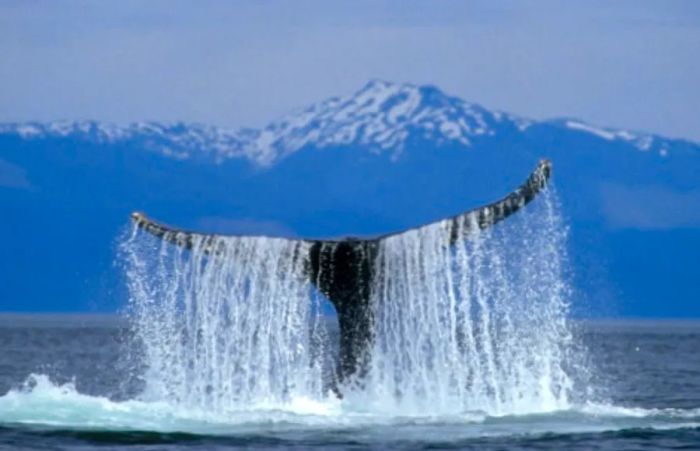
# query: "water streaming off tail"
x,y
477,326
220,331
481,325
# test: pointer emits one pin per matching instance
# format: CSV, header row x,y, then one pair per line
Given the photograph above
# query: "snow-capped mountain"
x,y
176,140
383,116
380,117
385,158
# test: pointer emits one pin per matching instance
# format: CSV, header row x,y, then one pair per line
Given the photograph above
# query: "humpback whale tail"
x,y
344,270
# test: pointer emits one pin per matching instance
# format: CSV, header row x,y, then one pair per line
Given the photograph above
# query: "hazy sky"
x,y
632,64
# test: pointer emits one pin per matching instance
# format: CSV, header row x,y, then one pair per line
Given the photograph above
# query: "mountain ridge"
x,y
380,117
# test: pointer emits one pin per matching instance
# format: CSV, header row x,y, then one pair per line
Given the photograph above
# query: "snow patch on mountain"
x,y
642,141
177,140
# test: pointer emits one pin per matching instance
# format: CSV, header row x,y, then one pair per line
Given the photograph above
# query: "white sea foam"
x,y
41,403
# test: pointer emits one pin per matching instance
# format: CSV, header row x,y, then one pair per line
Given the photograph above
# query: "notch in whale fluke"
x,y
344,270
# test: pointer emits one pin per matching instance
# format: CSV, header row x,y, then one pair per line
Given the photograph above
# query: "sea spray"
x,y
477,326
225,330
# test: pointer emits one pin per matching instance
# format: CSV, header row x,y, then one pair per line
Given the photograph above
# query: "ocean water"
x,y
66,383
228,344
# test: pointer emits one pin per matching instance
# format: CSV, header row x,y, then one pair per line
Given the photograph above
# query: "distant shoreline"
x,y
87,319
60,319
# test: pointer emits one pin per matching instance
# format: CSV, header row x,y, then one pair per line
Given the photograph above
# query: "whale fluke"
x,y
344,270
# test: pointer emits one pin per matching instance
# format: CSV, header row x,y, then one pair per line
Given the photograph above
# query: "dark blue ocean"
x,y
66,382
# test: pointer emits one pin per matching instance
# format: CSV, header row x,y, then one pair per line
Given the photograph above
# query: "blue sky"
x,y
630,64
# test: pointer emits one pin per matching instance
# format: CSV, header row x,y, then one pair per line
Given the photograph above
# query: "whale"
x,y
344,269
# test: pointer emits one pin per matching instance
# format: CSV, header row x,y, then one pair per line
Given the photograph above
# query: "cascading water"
x,y
220,332
479,326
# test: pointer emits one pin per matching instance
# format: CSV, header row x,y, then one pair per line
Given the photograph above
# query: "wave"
x,y
41,404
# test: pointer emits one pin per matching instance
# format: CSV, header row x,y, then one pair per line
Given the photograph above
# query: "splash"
x,y
223,331
480,326
40,402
